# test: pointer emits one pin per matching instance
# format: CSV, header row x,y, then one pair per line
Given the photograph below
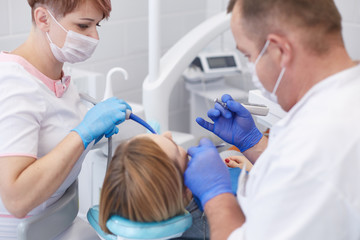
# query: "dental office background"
x,y
124,43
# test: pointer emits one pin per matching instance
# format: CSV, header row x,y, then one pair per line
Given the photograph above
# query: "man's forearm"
x,y
224,215
252,154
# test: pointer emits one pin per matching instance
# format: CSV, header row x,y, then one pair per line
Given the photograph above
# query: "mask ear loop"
x,y
262,51
47,35
56,21
52,16
279,80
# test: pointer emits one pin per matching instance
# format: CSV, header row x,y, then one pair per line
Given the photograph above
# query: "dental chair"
x,y
54,220
125,229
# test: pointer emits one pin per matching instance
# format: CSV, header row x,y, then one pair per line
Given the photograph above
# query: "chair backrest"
x,y
125,229
54,220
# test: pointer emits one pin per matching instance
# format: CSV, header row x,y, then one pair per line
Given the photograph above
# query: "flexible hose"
x,y
142,122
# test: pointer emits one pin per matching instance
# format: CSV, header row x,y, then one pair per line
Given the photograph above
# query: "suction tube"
x,y
130,115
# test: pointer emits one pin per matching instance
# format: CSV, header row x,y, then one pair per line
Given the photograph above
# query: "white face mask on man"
x,y
77,47
252,66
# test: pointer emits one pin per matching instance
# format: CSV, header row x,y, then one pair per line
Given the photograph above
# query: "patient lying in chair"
x,y
144,183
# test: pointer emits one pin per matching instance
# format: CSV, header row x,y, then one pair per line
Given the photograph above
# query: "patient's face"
x,y
173,150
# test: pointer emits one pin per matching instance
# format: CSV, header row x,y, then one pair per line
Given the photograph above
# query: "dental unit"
x,y
129,115
123,228
108,93
157,88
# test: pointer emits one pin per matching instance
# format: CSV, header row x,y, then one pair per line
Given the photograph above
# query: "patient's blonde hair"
x,y
141,184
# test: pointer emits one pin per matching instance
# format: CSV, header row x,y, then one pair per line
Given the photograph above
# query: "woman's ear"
x,y
42,19
284,49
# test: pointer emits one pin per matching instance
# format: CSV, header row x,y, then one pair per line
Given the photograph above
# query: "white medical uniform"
x,y
306,185
33,121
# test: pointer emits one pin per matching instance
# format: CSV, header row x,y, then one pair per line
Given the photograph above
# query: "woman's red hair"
x,y
63,7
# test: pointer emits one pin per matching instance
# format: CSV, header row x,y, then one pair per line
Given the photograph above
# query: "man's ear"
x,y
42,19
284,49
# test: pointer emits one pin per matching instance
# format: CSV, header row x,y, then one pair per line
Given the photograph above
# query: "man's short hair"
x,y
318,19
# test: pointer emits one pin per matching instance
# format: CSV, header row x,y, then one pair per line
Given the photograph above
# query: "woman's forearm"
x,y
26,182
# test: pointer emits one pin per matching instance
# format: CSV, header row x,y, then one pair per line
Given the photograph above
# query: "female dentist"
x,y
45,130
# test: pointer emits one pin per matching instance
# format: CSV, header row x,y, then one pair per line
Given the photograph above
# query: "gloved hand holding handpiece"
x,y
206,175
233,123
102,120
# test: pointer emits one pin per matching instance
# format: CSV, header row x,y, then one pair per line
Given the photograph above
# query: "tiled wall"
x,y
15,23
124,40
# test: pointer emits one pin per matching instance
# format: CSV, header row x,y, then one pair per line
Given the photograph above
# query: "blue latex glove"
x,y
102,120
234,125
206,175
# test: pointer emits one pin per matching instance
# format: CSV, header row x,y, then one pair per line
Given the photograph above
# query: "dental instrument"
x,y
129,115
255,109
220,145
88,98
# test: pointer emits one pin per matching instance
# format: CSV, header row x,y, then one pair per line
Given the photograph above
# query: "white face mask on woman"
x,y
252,66
77,47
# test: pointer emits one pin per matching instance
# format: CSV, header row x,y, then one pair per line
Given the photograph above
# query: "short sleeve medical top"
x,y
306,185
33,119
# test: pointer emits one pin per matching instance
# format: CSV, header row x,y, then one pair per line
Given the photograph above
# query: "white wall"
x,y
350,11
123,36
124,40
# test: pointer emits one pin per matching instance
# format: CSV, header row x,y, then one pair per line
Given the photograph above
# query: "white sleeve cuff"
x,y
238,234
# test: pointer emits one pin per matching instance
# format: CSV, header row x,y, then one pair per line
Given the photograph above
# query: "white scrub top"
x,y
306,185
33,121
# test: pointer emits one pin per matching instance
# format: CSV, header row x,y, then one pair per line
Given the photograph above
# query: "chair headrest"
x,y
123,228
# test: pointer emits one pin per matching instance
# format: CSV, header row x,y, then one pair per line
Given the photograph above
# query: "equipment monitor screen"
x,y
221,62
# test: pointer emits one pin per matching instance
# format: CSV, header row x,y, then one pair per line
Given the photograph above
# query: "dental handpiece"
x,y
255,109
220,145
129,114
